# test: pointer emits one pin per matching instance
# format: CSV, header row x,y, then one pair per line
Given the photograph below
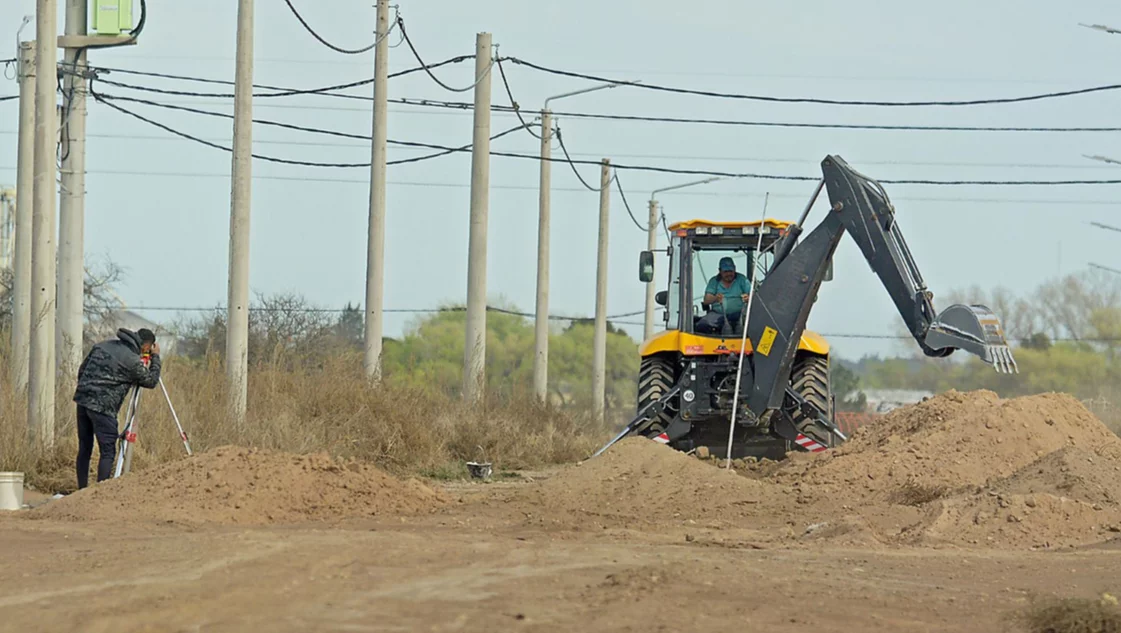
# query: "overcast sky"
x,y
159,205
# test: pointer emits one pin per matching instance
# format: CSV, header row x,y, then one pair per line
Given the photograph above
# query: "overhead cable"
x,y
573,163
278,91
816,100
443,150
326,91
345,51
627,205
428,69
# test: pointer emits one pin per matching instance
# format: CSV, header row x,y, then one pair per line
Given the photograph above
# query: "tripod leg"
x,y
182,433
128,437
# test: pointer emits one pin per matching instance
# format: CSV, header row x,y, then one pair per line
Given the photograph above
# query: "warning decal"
x,y
766,341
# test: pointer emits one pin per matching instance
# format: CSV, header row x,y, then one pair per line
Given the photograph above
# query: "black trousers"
x,y
92,424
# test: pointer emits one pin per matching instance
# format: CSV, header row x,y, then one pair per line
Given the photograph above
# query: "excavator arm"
x,y
860,207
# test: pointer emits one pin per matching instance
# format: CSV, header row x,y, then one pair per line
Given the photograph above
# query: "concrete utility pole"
x,y
474,363
71,217
41,375
237,329
599,340
541,316
375,249
652,243
25,187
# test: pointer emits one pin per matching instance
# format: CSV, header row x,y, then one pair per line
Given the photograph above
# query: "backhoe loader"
x,y
687,376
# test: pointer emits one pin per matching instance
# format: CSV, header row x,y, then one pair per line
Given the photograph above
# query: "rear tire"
x,y
810,378
656,376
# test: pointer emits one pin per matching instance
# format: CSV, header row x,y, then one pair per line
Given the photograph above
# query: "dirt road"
x,y
914,525
433,574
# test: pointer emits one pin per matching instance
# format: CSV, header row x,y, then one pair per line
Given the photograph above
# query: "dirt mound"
x,y
1036,471
232,485
1071,472
638,481
967,469
951,443
1042,521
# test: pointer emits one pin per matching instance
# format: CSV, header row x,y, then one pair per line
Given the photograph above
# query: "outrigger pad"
x,y
976,330
785,429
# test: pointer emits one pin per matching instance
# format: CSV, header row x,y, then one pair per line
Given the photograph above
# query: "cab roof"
x,y
692,224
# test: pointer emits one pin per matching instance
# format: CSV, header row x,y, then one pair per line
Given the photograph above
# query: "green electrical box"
x,y
111,17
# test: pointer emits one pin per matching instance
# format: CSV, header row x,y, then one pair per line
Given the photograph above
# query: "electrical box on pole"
x,y
111,17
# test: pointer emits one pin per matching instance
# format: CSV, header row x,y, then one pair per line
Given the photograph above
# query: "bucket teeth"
x,y
1003,361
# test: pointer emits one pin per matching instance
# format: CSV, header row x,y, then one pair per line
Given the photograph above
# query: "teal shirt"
x,y
740,286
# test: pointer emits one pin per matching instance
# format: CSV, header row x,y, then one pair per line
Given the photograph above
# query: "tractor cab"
x,y
695,250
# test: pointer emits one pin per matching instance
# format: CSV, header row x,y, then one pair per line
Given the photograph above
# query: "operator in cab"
x,y
724,300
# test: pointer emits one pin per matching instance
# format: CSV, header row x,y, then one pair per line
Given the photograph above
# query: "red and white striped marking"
x,y
662,439
809,444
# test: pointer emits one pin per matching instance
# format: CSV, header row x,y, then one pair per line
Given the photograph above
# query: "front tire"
x,y
656,376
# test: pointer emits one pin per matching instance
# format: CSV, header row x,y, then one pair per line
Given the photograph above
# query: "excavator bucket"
x,y
975,329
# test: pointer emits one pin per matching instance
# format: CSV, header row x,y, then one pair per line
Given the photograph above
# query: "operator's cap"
x,y
726,263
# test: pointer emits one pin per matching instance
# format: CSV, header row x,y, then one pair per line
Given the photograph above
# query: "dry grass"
x,y
916,494
402,429
1071,615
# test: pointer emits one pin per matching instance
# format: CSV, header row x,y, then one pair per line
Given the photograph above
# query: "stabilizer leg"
x,y
647,414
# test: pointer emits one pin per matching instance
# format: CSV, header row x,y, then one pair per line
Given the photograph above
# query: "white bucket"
x,y
11,491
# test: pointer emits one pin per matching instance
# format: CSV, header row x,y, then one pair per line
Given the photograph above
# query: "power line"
x,y
428,69
749,159
554,317
329,45
443,151
626,204
514,109
667,170
534,189
814,100
278,90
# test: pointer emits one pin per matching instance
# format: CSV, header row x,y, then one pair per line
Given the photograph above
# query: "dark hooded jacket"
x,y
110,370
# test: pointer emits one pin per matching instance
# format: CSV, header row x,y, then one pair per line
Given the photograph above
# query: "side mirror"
x,y
660,297
829,271
646,267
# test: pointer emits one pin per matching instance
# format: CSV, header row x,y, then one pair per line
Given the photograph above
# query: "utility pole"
x,y
652,243
375,248
599,339
71,217
41,375
237,328
474,364
25,187
541,316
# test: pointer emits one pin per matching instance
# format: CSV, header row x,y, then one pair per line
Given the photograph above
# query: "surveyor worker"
x,y
725,297
105,377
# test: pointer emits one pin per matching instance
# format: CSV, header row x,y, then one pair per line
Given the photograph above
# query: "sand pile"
x,y
1037,471
953,442
637,482
232,485
962,468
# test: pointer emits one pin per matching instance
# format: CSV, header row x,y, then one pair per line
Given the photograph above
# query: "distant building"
x,y
130,320
884,400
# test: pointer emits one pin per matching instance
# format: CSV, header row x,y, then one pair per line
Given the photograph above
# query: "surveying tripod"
x,y
127,438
